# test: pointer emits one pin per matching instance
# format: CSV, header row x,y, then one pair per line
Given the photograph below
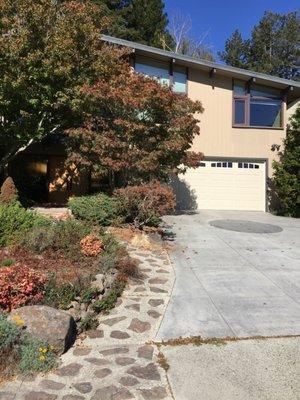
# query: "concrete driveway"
x,y
233,283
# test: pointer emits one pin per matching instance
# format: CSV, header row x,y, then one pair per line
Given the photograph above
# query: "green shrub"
x,y
36,356
100,209
60,235
15,220
7,262
60,295
108,302
9,332
145,204
88,322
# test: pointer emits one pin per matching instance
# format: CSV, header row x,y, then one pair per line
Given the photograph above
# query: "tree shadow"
x,y
186,199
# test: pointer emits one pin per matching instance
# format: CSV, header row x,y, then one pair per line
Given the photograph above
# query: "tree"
x,y
135,127
183,43
147,22
48,52
273,47
236,51
286,179
142,21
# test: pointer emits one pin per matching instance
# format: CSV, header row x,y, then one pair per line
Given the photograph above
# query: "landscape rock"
x,y
56,327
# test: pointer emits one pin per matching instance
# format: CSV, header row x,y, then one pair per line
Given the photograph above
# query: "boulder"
x,y
56,327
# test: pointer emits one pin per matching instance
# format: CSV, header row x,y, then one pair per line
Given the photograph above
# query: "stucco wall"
x,y
218,137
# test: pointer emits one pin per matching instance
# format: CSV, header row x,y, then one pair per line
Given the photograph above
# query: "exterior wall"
x,y
218,137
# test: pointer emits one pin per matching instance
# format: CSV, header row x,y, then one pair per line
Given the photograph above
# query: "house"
x,y
246,113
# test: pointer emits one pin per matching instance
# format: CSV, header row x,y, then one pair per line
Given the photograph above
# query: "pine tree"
x,y
236,50
273,47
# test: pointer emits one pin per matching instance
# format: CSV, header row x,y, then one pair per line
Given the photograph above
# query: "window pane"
x,y
154,69
239,88
263,91
265,113
180,79
239,112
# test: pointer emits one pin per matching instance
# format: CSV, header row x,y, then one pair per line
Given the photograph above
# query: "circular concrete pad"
x,y
245,226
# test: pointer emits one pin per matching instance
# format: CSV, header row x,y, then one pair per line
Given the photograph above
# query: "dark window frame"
x,y
247,99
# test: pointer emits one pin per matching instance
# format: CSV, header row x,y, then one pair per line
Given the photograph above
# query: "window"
x,y
161,71
256,106
179,79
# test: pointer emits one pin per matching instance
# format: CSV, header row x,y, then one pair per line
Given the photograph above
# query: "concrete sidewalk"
x,y
244,370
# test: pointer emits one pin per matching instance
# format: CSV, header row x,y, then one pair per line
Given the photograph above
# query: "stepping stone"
x,y
125,360
146,351
69,370
95,334
40,396
112,393
72,397
128,381
155,302
153,314
119,335
150,372
116,350
155,393
112,321
134,307
157,290
80,351
97,361
139,289
102,373
83,387
52,385
157,281
139,326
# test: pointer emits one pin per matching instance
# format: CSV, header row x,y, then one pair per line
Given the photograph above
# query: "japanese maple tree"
x,y
136,127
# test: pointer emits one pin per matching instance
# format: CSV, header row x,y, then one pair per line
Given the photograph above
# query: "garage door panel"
x,y
241,187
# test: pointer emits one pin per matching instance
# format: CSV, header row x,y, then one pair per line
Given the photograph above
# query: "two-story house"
x,y
246,113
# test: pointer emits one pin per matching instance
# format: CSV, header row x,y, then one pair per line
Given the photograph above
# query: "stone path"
x,y
116,361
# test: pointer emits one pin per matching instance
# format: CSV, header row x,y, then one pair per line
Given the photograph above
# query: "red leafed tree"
x,y
135,127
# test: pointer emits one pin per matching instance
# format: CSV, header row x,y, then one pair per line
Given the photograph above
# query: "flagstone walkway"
x,y
118,361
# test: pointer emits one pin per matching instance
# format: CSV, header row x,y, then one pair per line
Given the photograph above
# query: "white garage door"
x,y
226,185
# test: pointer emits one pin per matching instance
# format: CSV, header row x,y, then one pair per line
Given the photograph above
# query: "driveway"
x,y
240,277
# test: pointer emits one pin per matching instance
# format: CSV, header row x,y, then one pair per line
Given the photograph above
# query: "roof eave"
x,y
209,65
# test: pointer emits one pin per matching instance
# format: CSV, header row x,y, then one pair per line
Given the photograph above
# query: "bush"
x,y
91,245
100,209
60,235
109,300
15,220
145,204
9,332
20,286
8,191
36,356
60,295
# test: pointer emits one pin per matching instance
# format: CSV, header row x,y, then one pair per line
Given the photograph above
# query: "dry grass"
x,y
162,361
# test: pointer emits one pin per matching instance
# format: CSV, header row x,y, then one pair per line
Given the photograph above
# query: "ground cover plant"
x,y
19,353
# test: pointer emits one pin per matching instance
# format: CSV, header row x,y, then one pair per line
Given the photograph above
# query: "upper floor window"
x,y
257,106
162,71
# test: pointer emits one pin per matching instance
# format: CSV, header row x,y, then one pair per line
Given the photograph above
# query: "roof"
x,y
269,80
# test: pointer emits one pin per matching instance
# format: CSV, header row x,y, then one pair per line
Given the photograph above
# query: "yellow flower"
x,y
18,320
42,358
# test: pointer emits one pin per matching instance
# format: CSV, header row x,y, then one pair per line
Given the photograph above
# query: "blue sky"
x,y
222,17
